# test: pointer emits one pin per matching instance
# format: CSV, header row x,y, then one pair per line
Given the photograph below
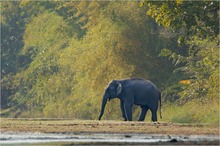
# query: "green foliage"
x,y
42,43
192,112
198,25
43,32
199,18
202,67
12,28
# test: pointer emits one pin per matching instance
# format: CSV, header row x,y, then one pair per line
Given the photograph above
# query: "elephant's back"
x,y
140,85
146,87
142,82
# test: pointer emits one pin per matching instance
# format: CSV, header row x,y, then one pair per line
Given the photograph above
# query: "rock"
x,y
173,140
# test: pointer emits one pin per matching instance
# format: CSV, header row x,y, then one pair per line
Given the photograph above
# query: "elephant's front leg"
x,y
128,111
123,110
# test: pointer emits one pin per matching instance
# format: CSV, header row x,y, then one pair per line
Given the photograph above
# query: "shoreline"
x,y
31,138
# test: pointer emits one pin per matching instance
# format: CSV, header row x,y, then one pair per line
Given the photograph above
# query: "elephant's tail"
x,y
160,105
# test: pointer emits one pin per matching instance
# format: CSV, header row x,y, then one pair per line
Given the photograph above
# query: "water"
x,y
59,139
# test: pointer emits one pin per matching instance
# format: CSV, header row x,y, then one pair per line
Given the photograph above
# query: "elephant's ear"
x,y
119,88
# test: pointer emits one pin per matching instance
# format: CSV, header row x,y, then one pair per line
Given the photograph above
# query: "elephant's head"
x,y
113,89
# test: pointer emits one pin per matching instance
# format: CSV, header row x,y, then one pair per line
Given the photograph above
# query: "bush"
x,y
192,112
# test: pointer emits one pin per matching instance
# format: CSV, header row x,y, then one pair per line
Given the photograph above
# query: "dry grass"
x,y
62,125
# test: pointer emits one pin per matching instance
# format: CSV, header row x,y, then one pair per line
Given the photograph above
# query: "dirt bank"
x,y
62,125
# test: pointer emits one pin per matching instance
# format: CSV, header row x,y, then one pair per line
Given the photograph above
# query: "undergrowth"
x,y
192,112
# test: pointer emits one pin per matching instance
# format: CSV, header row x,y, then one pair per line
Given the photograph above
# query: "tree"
x,y
196,18
114,48
199,26
73,49
44,36
12,28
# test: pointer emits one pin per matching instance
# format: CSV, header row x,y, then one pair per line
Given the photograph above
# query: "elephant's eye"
x,y
111,88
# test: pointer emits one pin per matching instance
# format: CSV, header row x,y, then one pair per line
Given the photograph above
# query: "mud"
x,y
91,138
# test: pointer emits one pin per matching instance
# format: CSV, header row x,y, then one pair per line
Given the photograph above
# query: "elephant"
x,y
133,91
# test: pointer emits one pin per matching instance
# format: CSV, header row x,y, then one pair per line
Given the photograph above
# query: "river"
x,y
67,139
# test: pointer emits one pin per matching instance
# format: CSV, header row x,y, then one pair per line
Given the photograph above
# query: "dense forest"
x,y
57,57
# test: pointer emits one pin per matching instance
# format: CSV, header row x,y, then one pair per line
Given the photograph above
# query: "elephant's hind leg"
x,y
144,110
154,115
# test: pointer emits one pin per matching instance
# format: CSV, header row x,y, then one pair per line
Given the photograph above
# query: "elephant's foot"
x,y
125,119
156,124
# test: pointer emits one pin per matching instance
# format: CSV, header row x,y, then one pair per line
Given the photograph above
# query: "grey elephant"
x,y
133,91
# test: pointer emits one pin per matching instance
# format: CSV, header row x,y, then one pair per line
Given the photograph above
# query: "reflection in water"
x,y
60,139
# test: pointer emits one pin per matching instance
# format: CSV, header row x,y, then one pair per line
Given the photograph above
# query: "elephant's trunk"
x,y
104,101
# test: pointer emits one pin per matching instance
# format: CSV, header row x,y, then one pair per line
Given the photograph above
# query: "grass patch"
x,y
192,112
